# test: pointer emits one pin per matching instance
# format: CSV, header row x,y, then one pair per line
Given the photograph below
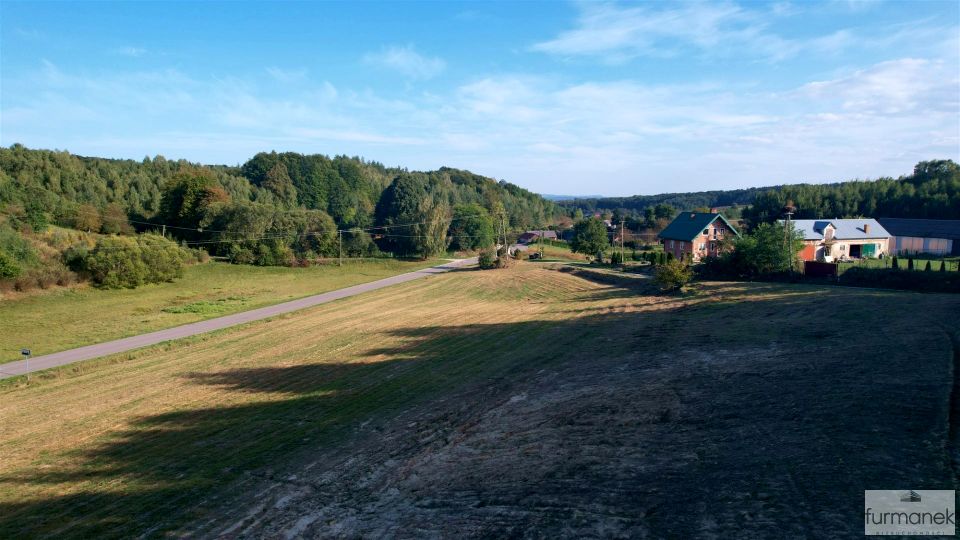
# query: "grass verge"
x,y
62,319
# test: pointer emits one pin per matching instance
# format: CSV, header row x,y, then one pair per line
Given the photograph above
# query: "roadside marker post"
x,y
26,359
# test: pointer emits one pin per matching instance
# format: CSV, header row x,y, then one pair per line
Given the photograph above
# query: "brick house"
x,y
694,235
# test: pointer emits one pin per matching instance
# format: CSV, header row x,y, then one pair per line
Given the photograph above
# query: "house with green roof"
x,y
694,235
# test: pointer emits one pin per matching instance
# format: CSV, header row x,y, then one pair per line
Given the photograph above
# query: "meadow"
x,y
493,402
64,318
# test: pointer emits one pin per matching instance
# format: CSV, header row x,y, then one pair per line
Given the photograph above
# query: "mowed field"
x,y
64,318
492,403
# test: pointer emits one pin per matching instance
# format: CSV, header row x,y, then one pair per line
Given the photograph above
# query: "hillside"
x,y
277,209
346,188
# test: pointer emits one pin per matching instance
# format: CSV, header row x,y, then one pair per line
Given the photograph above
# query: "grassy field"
x,y
558,253
61,319
144,443
919,263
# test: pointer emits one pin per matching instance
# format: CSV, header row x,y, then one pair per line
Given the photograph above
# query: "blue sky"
x,y
571,98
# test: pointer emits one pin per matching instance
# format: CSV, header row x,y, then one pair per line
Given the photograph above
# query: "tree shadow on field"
x,y
753,423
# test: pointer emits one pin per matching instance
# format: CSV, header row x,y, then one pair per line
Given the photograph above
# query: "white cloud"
x,y
550,134
407,61
908,85
287,75
133,52
618,33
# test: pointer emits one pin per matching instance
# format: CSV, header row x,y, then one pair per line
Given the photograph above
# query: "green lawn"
x,y
61,319
919,263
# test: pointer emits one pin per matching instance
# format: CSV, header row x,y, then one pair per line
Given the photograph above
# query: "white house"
x,y
833,239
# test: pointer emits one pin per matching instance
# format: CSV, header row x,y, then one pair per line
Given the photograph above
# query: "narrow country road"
x,y
48,361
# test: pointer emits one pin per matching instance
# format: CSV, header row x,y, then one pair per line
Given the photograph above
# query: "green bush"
x,y
164,259
8,266
116,263
673,275
18,248
75,257
616,258
123,262
487,259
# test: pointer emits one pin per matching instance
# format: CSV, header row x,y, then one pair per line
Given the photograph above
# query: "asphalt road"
x,y
48,361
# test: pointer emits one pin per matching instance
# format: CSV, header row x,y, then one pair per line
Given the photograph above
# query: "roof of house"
x,y
923,228
689,225
530,235
845,229
544,233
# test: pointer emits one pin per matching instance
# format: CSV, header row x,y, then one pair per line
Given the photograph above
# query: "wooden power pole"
x,y
623,232
340,261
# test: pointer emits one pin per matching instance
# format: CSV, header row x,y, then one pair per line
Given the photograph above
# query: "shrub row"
x,y
889,278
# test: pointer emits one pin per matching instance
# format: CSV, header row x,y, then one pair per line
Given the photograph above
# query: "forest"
x,y
932,191
275,209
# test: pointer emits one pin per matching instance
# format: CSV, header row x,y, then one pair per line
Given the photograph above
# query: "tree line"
x,y
932,191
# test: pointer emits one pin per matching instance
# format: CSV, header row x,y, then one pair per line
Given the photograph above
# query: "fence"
x,y
820,269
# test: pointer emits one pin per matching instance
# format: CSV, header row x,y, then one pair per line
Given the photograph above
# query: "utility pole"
x,y
503,230
164,230
623,233
788,209
340,236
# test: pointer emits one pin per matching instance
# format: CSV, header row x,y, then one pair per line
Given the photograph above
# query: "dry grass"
x,y
147,441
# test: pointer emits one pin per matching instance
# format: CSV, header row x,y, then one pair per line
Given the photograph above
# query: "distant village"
x,y
692,236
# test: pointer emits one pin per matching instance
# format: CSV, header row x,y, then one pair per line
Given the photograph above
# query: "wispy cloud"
x,y
620,33
29,33
133,52
408,61
287,75
544,132
617,33
904,86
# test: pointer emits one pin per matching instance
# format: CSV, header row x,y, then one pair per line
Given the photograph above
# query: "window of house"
x,y
671,244
681,245
706,232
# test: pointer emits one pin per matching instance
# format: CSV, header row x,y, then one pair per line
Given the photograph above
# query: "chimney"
x,y
866,228
714,211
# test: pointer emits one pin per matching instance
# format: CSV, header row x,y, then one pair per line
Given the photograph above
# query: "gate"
x,y
820,269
